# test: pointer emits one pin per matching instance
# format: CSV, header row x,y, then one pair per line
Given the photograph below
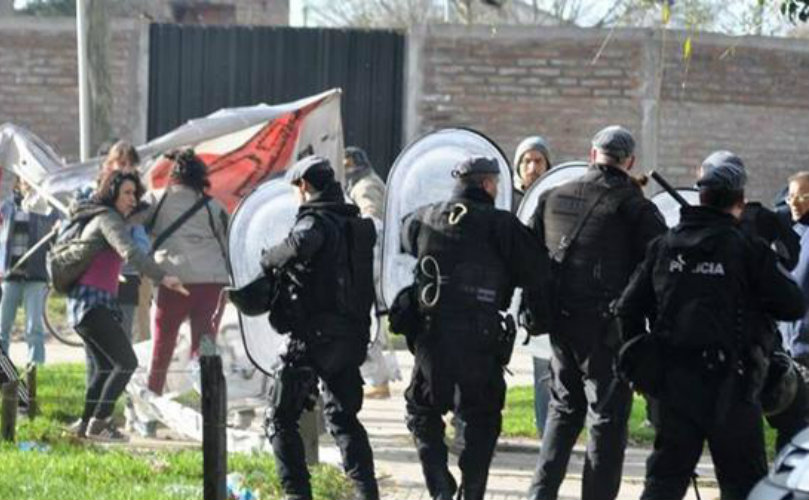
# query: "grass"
x,y
519,419
72,469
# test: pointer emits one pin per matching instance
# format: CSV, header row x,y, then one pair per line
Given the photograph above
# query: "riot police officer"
x,y
471,256
329,330
787,411
696,286
596,229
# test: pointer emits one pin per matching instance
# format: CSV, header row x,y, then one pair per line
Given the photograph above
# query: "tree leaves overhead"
x,y
795,10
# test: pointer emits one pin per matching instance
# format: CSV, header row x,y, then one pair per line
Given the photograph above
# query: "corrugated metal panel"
x,y
195,70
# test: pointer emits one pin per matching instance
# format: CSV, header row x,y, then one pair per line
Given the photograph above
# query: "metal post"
x,y
8,419
84,84
214,436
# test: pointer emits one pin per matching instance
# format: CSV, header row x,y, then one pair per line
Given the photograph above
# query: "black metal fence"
x,y
195,70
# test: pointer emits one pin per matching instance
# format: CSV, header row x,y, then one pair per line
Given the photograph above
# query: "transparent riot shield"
x,y
422,174
540,346
670,208
261,220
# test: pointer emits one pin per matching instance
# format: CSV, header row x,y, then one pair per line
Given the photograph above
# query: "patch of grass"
x,y
73,469
518,416
519,420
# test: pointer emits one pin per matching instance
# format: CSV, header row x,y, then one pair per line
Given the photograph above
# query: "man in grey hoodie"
x,y
532,159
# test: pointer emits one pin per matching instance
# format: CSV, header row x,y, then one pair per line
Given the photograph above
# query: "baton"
x,y
669,188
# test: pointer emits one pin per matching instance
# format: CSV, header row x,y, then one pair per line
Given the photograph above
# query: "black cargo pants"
x,y
336,365
582,386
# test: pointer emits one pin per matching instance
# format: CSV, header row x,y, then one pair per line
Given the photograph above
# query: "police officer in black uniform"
x,y
329,336
786,408
696,286
596,229
471,256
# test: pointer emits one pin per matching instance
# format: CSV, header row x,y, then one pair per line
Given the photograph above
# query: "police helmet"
x,y
781,384
253,299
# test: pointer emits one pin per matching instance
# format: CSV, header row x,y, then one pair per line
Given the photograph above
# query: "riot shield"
x,y
422,174
540,346
670,208
262,219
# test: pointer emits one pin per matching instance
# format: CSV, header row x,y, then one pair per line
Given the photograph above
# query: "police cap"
x,y
477,165
615,141
314,169
723,170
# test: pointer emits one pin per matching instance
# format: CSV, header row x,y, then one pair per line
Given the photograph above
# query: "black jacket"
x,y
707,258
310,250
610,244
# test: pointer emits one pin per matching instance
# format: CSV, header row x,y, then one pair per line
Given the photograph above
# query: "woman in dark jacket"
x,y
92,303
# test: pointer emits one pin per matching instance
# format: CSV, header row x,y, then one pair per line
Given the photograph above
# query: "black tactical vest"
x,y
701,281
597,264
470,275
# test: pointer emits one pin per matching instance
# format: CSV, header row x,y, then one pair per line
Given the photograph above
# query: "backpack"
x,y
354,266
69,257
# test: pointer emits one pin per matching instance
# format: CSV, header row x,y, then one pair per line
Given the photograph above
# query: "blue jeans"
x,y
542,394
31,295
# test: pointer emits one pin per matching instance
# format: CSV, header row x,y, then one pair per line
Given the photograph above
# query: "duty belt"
x,y
431,291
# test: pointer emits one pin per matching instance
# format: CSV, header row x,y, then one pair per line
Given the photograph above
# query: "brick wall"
x,y
38,80
749,95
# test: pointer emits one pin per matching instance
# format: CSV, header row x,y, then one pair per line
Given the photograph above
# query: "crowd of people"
x,y
703,319
689,317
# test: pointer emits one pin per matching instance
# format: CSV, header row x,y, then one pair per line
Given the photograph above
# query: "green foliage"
x,y
795,10
50,8
519,420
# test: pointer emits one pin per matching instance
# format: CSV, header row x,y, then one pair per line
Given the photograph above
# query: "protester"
x,y
92,303
532,159
367,190
189,229
27,284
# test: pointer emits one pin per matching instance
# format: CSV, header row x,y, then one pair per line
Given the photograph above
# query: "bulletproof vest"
x,y
459,268
596,264
700,282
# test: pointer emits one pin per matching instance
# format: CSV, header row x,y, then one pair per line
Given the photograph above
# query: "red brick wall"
x,y
38,80
513,82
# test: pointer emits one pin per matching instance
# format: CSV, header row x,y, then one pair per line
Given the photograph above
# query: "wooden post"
x,y
31,379
8,419
214,436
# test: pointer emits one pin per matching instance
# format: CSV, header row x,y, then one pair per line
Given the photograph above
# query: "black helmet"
x,y
781,384
253,299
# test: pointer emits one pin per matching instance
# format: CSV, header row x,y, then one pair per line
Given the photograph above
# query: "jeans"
x,y
31,294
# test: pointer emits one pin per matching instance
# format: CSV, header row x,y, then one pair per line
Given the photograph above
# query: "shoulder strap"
x,y
151,222
567,241
162,237
216,237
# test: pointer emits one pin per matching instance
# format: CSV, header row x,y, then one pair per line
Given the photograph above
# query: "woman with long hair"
x,y
194,251
92,303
